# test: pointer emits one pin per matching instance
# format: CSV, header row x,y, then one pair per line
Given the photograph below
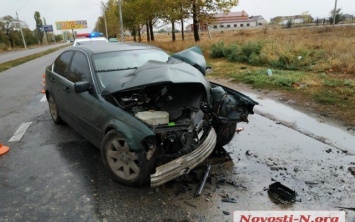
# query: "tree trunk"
x,y
151,30
139,35
147,29
182,30
195,22
134,34
173,31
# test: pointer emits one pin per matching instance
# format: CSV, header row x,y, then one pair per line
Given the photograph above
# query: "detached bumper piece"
x,y
184,164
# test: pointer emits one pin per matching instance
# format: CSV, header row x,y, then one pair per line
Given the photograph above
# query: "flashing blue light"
x,y
96,34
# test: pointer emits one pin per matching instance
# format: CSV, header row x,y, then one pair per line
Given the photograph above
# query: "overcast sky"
x,y
64,10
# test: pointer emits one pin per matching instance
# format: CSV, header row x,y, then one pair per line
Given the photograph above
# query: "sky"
x,y
66,10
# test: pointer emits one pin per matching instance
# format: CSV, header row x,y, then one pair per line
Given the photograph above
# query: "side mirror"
x,y
80,87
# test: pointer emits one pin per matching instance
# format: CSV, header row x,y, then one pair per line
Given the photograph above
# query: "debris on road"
x,y
203,182
182,189
238,130
352,170
347,208
229,200
311,183
282,193
225,212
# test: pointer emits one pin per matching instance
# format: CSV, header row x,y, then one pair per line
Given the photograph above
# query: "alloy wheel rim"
x,y
121,160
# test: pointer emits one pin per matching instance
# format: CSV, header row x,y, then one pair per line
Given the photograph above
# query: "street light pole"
x,y
23,38
121,21
334,13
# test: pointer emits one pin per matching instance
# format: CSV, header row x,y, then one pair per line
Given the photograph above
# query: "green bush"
x,y
217,50
250,48
234,53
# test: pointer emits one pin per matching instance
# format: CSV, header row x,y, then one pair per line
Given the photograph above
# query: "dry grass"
x,y
337,44
328,87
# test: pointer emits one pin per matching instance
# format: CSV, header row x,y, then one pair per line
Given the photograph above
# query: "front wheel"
x,y
225,133
124,165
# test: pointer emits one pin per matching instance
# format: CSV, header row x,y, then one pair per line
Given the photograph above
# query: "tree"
x,y
203,11
306,17
171,13
110,10
338,16
8,28
37,17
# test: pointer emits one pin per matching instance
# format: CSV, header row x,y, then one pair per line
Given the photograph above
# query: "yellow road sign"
x,y
65,25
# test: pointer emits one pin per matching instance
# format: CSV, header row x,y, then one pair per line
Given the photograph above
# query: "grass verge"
x,y
327,94
7,65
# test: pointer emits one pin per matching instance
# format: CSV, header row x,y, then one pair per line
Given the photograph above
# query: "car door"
x,y
57,81
85,106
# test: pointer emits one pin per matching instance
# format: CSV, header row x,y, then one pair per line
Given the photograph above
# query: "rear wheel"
x,y
225,133
54,110
124,165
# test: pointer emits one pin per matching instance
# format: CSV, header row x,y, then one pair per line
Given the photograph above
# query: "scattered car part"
x,y
282,193
203,181
238,130
352,170
229,200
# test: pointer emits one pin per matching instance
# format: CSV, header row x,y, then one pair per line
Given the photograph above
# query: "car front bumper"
x,y
184,164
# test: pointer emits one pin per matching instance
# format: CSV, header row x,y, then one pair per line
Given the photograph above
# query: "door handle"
x,y
66,89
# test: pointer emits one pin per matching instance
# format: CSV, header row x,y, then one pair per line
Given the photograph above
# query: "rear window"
x,y
61,64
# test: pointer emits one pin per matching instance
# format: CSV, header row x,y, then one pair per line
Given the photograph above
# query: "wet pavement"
x,y
52,173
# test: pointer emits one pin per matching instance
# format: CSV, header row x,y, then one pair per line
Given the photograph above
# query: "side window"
x,y
61,64
79,70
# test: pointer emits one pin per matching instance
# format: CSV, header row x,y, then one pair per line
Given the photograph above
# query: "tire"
x,y
125,166
54,110
225,133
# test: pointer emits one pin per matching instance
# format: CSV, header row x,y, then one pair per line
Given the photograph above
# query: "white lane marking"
x,y
44,99
20,132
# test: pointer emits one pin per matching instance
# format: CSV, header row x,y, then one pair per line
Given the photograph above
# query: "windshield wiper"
x,y
113,70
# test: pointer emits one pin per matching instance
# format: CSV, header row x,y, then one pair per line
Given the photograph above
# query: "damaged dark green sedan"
x,y
153,116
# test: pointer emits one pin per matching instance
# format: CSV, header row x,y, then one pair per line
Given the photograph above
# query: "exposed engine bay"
x,y
179,114
188,115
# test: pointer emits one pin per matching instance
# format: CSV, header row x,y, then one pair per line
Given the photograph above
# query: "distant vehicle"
x,y
113,40
154,116
89,38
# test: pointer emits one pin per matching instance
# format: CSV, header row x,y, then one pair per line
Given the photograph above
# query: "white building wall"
x,y
238,25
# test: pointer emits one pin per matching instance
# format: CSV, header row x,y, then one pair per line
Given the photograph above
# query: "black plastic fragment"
x,y
282,193
229,200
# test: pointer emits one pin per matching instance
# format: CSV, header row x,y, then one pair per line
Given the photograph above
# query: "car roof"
x,y
110,47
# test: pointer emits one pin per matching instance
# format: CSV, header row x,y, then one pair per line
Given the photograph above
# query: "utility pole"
x,y
334,13
19,24
45,33
105,25
104,9
121,21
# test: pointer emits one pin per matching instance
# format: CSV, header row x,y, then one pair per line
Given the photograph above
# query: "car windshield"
x,y
112,65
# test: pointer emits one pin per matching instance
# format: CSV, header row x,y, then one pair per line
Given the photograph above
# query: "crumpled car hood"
x,y
153,72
